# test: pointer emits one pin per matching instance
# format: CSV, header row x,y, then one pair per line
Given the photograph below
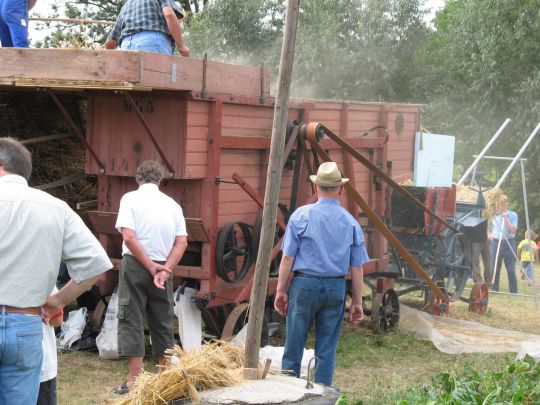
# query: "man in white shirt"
x,y
155,239
37,231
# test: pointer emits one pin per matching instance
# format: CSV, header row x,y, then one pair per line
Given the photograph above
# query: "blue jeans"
x,y
149,41
528,266
20,358
506,254
14,23
322,301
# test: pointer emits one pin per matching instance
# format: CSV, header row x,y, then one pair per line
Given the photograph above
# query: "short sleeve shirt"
x,y
142,15
156,219
324,239
499,230
37,232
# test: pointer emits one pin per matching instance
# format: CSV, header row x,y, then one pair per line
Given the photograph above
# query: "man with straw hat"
x,y
323,243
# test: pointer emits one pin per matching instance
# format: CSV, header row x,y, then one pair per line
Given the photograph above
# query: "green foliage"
x,y
481,65
518,384
347,49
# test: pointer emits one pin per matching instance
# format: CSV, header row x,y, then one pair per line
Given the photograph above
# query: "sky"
x,y
43,9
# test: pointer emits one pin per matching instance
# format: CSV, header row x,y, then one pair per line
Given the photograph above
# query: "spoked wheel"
x,y
257,228
436,306
478,303
385,312
457,266
233,251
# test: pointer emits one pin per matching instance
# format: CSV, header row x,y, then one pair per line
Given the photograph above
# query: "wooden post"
x,y
271,195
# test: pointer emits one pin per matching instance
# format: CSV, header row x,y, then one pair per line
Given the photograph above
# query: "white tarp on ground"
x,y
454,336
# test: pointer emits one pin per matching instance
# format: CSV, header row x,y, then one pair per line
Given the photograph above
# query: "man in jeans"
x,y
148,25
155,239
37,231
322,244
503,246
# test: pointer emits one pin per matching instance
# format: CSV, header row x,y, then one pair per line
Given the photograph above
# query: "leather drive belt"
x,y
14,310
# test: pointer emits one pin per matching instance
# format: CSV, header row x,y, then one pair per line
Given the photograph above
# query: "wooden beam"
x,y
271,196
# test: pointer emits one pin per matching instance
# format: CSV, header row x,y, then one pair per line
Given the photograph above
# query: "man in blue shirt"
x,y
322,244
503,246
148,25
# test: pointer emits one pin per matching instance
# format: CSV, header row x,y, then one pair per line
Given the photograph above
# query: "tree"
x,y
483,61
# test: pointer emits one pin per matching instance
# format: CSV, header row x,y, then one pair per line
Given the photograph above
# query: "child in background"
x,y
527,251
47,379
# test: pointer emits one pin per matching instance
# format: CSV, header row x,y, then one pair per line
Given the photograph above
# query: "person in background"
x,y
322,244
47,379
14,22
37,231
148,25
527,252
503,246
155,239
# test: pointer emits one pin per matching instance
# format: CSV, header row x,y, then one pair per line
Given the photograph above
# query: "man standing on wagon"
x,y
148,25
37,231
155,239
322,244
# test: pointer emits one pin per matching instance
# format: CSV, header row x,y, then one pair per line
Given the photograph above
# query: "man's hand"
x,y
52,306
281,303
111,44
160,279
184,50
356,314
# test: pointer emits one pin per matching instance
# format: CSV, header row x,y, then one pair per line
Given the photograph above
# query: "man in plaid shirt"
x,y
148,25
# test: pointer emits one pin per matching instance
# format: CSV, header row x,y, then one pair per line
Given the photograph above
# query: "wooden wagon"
x,y
210,124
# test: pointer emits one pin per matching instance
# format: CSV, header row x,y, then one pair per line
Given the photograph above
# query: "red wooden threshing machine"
x,y
210,124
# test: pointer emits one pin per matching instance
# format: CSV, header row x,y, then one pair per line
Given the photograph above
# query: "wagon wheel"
x,y
232,258
457,266
478,302
257,228
237,319
436,306
385,312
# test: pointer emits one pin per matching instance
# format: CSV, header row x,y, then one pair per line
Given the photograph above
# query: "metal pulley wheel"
x,y
457,266
385,312
233,251
478,302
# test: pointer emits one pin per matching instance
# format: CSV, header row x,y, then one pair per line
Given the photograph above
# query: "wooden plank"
x,y
69,64
245,142
104,223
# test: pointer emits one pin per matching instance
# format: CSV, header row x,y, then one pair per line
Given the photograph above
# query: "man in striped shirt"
x,y
148,25
37,231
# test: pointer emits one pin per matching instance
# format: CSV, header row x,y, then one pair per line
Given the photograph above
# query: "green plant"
x,y
517,384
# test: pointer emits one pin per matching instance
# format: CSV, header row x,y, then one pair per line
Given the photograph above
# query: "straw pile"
x,y
27,116
492,196
217,364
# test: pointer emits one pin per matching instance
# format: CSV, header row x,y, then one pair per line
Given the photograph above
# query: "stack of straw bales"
x,y
216,364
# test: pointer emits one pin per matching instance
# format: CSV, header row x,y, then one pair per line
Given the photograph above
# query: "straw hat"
x,y
328,175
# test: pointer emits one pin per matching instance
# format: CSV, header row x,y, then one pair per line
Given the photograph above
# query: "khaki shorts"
x,y
139,298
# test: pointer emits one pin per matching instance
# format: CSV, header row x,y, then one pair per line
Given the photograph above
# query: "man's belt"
x,y
14,310
300,274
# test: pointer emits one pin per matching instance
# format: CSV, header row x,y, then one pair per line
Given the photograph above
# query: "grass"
x,y
372,369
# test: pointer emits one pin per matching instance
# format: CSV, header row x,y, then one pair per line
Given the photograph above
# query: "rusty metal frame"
x,y
149,132
76,129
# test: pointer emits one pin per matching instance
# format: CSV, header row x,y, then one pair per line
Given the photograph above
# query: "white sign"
x,y
433,160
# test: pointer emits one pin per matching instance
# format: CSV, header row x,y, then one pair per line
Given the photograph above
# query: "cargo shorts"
x,y
139,298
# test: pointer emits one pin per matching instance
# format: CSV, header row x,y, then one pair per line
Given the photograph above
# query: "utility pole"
x,y
271,195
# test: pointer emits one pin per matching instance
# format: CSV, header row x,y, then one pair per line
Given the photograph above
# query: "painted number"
x,y
144,106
